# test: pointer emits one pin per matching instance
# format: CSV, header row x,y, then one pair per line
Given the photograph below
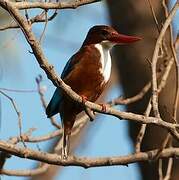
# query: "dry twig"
x,y
85,162
155,58
44,104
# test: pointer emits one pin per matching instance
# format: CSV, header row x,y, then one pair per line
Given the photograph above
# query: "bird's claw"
x,y
103,107
84,99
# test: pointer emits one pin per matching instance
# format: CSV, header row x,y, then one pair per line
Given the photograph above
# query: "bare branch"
x,y
155,58
137,97
141,133
45,27
31,172
176,62
18,90
37,19
85,162
160,169
176,44
149,107
169,169
28,138
52,5
17,112
154,15
44,104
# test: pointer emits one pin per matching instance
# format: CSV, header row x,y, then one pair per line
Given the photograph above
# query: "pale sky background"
x,y
106,136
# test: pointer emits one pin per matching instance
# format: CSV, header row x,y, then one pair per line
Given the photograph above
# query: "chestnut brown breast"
x,y
86,78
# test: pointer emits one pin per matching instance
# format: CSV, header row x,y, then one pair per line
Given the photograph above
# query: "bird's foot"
x,y
84,99
103,107
88,111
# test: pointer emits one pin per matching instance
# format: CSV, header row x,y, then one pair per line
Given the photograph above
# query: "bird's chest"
x,y
105,61
90,76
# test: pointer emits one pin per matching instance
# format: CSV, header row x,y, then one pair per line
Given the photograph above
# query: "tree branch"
x,y
86,162
155,58
52,5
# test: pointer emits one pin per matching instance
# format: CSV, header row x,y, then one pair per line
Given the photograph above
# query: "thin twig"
x,y
154,15
18,90
169,169
160,169
29,172
141,133
155,58
44,104
137,97
26,13
45,27
18,114
176,44
149,107
176,62
37,19
57,133
174,113
125,101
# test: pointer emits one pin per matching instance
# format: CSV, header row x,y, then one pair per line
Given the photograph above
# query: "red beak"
x,y
123,39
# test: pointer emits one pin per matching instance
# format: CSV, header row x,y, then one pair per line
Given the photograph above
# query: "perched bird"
x,y
87,73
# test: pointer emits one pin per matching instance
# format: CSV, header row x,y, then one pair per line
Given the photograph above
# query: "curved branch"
x,y
52,5
37,19
29,172
155,58
86,162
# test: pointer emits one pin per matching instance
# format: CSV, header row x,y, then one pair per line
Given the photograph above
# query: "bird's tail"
x,y
65,145
67,129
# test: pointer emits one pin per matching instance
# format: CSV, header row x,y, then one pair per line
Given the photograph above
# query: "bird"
x,y
87,73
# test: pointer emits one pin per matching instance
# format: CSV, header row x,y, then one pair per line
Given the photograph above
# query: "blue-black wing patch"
x,y
53,106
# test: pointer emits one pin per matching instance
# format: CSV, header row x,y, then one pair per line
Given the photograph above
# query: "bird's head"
x,y
108,36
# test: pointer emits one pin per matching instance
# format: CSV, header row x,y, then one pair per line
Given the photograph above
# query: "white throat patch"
x,y
105,60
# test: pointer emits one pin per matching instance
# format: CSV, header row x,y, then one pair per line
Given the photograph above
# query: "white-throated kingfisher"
x,y
87,73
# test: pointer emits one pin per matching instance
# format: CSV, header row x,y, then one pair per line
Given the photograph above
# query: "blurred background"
x,y
106,136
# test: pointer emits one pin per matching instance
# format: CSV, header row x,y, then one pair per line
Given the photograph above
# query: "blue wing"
x,y
67,69
53,106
